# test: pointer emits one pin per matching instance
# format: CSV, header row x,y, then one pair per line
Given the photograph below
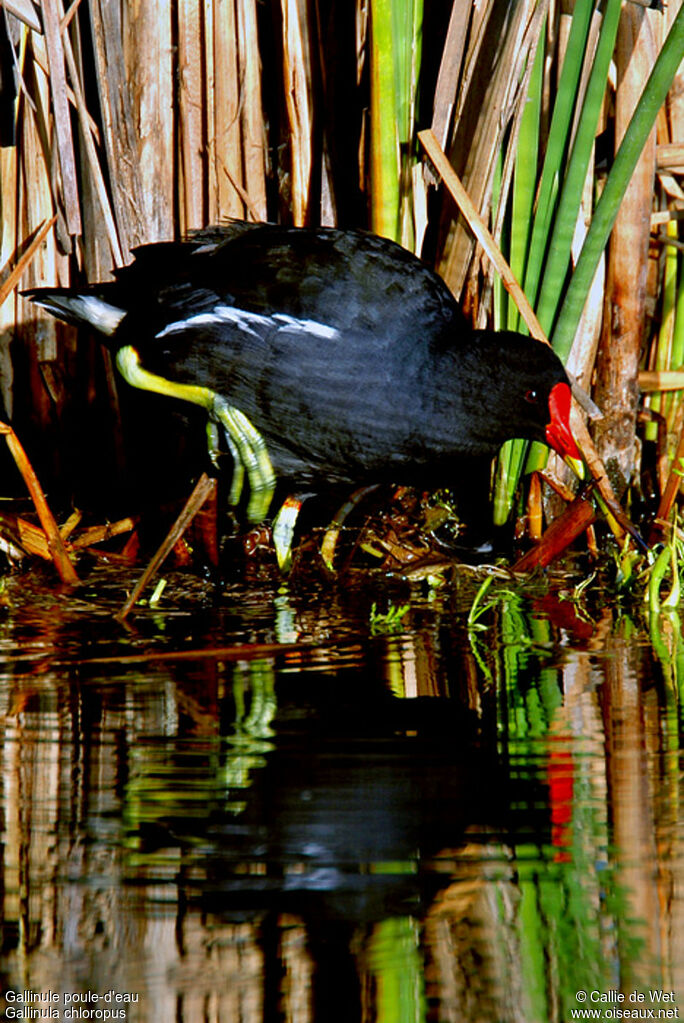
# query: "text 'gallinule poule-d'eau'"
x,y
325,355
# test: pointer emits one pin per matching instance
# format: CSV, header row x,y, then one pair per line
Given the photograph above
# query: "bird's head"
x,y
527,393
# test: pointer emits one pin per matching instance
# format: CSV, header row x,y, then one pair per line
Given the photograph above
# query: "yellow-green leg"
x,y
245,443
238,479
253,455
283,529
332,533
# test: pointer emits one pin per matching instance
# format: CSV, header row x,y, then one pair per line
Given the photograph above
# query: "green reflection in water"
x,y
575,923
394,962
167,781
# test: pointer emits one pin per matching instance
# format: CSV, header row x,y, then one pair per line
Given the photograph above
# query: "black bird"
x,y
326,355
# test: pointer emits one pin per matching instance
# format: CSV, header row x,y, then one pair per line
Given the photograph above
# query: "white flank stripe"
x,y
308,326
249,322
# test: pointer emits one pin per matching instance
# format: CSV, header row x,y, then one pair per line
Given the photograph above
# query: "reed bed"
x,y
132,122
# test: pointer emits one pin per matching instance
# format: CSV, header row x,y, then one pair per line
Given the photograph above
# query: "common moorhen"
x,y
324,354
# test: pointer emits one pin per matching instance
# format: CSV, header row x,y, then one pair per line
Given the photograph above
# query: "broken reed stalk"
x,y
237,652
535,523
297,73
661,380
66,570
563,531
487,109
9,277
204,488
100,534
670,492
52,17
89,133
439,159
625,299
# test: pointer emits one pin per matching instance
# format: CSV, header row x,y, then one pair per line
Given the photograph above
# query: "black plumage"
x,y
348,355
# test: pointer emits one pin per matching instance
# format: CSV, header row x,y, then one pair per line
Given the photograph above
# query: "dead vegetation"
x,y
128,123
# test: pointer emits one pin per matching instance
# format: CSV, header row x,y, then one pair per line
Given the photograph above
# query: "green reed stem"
x,y
643,119
557,144
559,250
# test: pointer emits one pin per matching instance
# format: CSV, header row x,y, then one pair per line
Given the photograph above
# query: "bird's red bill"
x,y
558,433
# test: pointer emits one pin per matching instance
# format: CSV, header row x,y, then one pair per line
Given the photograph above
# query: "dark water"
x,y
275,803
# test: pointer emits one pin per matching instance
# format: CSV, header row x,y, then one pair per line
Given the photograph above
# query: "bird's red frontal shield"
x,y
558,433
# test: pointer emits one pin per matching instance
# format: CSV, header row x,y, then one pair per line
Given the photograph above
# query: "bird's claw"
x,y
284,526
213,443
245,443
250,454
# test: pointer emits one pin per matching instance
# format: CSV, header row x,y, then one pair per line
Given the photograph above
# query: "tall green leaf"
x,y
557,144
559,250
525,179
396,30
643,119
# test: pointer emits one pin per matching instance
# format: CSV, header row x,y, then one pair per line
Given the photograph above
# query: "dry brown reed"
x,y
138,121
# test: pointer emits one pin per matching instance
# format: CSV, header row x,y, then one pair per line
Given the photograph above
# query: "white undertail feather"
x,y
90,309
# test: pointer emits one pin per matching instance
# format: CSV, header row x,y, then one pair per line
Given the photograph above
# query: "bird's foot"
x,y
283,529
213,445
238,479
245,443
332,533
250,454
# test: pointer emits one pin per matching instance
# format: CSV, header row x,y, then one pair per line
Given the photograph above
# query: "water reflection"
x,y
265,807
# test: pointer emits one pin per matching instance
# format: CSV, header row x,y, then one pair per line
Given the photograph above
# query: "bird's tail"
x,y
82,308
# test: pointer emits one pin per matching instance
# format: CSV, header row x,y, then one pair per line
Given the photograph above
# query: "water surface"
x,y
270,801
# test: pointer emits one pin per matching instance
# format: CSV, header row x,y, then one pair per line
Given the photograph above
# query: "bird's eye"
x,y
531,396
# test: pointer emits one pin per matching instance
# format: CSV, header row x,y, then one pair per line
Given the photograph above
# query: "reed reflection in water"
x,y
428,825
